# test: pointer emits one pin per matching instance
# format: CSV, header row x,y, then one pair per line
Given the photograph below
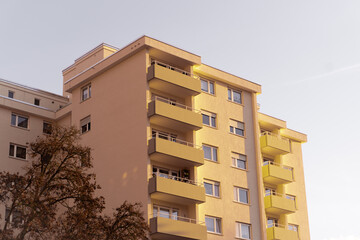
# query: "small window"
x,y
37,102
85,124
19,121
243,230
15,217
11,94
47,127
213,224
86,93
241,195
234,96
272,222
207,86
238,160
212,188
237,127
17,151
210,153
293,227
209,119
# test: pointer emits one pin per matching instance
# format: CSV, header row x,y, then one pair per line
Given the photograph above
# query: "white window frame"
x,y
231,95
236,158
238,230
237,125
85,124
237,191
217,224
213,153
87,90
15,150
211,117
171,212
16,123
163,135
208,86
215,188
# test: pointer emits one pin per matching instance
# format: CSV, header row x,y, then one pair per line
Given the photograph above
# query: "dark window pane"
x,y
89,126
211,88
241,164
206,119
204,86
231,129
13,119
208,188
37,102
229,94
218,225
243,196
209,222
11,94
237,97
46,128
213,121
245,231
239,131
214,154
207,152
20,152
22,122
83,129
216,188
12,150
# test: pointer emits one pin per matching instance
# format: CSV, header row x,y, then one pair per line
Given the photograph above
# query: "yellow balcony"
x,y
273,144
180,229
176,190
277,174
175,152
279,204
281,233
173,115
172,80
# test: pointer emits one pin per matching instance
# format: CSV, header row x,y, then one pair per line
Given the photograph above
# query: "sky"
x,y
305,54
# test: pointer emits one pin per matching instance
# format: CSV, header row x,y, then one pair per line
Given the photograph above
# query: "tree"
x,y
55,197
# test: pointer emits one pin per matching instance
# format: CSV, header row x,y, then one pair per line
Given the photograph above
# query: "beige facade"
x,y
183,138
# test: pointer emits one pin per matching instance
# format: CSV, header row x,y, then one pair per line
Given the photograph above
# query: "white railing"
x,y
273,193
176,178
274,135
174,139
161,99
173,68
278,164
280,226
177,218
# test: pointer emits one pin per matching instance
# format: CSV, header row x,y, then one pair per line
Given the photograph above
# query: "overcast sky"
x,y
304,53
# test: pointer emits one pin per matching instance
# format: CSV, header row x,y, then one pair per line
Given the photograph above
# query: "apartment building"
x,y
185,139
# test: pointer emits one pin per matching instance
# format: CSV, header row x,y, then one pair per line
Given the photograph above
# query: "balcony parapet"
x,y
274,144
277,204
275,173
280,232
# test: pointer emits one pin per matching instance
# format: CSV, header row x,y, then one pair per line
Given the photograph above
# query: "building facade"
x,y
183,138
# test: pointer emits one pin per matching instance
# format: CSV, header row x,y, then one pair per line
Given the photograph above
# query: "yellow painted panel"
x,y
279,205
274,145
274,174
164,228
277,233
180,190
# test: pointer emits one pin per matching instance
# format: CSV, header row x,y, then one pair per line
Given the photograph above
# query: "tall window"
x,y
234,95
17,151
11,94
37,102
213,224
86,92
243,230
241,195
210,153
47,127
85,124
209,119
238,160
237,127
19,121
212,188
207,86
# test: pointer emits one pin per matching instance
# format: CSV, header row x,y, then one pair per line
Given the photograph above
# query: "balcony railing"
x,y
176,104
274,135
278,164
173,68
278,231
177,218
179,179
176,140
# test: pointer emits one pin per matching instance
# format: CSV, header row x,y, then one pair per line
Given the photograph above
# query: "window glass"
x,y
229,94
241,195
236,97
210,224
12,150
47,127
206,119
165,213
20,152
237,127
212,88
85,124
37,102
11,94
22,122
13,119
245,231
214,154
207,152
208,188
204,86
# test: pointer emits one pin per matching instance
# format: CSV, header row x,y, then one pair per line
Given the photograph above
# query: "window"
x,y
210,153
241,195
238,160
166,173
272,222
15,217
165,212
17,151
293,227
86,93
85,124
237,127
164,135
37,102
209,119
212,188
213,224
11,94
19,121
234,96
243,230
47,127
207,86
